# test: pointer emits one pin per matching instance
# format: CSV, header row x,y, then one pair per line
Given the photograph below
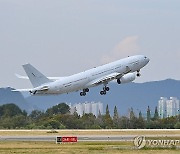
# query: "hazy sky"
x,y
63,37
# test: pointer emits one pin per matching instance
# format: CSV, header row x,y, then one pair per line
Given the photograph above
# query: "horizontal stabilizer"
x,y
21,77
21,90
50,78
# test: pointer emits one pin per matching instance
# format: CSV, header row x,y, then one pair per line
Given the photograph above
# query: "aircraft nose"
x,y
146,59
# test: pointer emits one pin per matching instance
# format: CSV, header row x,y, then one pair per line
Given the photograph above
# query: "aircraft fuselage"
x,y
84,79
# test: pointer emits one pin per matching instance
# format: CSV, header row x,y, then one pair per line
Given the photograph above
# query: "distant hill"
x,y
125,96
7,97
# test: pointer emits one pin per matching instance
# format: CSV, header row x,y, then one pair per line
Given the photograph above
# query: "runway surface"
x,y
80,138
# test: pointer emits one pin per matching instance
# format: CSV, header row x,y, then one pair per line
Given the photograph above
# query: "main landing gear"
x,y
105,89
83,93
138,74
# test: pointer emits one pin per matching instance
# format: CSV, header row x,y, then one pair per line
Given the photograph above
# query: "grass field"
x,y
103,147
80,148
89,132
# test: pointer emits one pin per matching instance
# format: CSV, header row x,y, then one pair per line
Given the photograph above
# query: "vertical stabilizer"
x,y
36,77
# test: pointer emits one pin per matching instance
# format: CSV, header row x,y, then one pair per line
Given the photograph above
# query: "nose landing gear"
x,y
118,81
138,74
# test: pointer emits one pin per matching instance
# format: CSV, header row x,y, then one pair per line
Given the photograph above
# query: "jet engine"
x,y
127,78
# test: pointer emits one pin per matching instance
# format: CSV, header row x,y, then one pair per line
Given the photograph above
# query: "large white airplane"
x,y
124,71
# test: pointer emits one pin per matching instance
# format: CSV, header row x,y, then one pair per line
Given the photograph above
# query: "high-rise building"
x,y
168,108
87,107
97,108
172,107
162,107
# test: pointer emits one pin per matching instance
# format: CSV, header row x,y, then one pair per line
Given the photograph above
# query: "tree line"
x,y
59,117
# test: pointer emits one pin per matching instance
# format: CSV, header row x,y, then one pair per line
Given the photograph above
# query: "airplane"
x,y
123,71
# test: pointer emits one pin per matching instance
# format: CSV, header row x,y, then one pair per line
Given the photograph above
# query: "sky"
x,y
63,37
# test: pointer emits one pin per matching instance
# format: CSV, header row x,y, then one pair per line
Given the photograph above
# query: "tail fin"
x,y
36,77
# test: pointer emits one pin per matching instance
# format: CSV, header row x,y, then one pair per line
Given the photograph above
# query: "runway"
x,y
80,138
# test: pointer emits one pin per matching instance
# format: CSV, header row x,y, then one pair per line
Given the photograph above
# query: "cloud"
x,y
126,47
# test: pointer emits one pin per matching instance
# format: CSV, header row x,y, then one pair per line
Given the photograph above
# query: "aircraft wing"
x,y
26,77
107,78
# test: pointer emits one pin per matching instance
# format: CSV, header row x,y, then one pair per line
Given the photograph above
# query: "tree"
x,y
52,124
58,109
107,111
69,121
177,125
156,115
75,113
140,122
124,122
116,118
35,114
107,119
10,110
132,119
88,120
140,115
148,114
99,120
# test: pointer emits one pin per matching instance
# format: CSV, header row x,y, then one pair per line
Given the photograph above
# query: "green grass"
x,y
80,148
84,147
88,132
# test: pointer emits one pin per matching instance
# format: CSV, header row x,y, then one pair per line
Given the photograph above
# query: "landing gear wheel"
x,y
82,94
138,74
102,92
118,81
87,90
107,88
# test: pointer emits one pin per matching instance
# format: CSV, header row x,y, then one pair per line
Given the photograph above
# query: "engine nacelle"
x,y
128,78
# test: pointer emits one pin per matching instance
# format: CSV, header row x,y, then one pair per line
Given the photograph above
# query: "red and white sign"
x,y
69,139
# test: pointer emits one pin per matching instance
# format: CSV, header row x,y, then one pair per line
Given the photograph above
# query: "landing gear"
x,y
138,74
83,93
104,91
118,81
86,90
107,88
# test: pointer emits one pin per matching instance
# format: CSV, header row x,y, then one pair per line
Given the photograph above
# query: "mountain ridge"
x,y
135,95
